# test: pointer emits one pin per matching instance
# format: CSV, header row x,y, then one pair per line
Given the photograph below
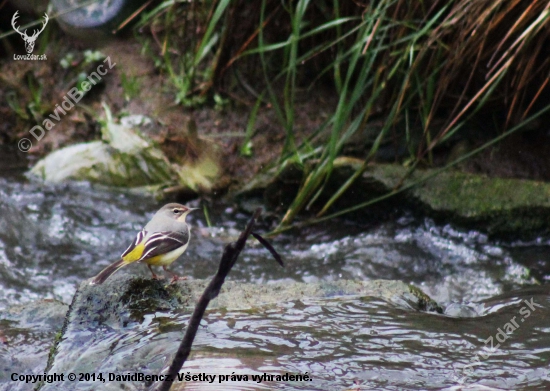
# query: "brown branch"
x,y
229,257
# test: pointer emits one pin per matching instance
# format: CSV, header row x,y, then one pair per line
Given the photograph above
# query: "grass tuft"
x,y
421,70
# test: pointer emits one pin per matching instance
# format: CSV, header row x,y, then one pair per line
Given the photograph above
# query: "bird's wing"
x,y
163,242
135,250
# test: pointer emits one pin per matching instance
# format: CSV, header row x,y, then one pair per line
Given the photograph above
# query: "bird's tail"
x,y
105,273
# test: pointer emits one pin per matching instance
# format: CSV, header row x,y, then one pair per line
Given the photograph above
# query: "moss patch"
x,y
499,206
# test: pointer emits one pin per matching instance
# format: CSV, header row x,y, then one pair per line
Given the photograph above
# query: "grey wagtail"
x,y
159,243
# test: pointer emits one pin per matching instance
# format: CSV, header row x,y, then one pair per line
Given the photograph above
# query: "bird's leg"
x,y
175,277
155,277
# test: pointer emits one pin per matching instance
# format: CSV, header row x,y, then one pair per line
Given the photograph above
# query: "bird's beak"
x,y
184,215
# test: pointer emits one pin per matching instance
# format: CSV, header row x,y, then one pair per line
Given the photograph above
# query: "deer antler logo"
x,y
29,41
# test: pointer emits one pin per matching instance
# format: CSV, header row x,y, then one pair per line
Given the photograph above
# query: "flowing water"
x,y
54,236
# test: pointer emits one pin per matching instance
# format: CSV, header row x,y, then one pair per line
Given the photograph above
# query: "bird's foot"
x,y
177,278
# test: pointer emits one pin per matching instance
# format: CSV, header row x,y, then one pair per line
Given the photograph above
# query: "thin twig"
x,y
229,257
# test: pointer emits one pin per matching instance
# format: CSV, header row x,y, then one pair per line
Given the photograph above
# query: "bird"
x,y
163,239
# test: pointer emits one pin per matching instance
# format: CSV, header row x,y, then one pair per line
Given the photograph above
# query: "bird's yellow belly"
x,y
166,259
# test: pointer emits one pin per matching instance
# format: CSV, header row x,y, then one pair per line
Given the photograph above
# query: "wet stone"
x,y
144,316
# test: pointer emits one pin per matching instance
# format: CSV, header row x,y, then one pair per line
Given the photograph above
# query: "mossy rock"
x,y
501,207
514,208
101,316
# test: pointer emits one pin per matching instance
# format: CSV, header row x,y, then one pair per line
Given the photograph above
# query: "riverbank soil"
x,y
33,90
153,98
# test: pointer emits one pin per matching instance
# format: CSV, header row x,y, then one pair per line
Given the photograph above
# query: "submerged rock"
x,y
117,316
27,334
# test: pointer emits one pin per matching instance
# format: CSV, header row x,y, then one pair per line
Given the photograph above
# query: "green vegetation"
x,y
425,68
412,78
185,42
130,85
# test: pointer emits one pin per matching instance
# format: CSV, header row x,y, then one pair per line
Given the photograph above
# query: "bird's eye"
x,y
176,211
